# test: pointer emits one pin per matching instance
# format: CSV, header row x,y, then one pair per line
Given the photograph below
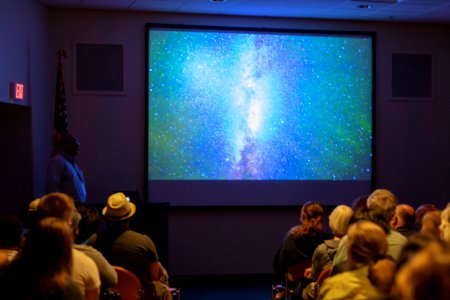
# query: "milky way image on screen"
x,y
234,105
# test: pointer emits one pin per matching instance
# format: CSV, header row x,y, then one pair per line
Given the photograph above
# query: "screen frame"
x,y
259,184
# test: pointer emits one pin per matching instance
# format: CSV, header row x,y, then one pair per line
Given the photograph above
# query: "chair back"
x,y
324,275
128,284
296,272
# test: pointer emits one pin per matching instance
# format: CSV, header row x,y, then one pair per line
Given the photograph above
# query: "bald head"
x,y
404,216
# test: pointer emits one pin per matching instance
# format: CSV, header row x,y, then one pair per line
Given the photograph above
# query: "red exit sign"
x,y
17,91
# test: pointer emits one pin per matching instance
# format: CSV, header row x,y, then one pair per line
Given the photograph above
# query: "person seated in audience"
x,y
404,220
431,222
11,239
90,222
416,242
421,211
85,272
108,275
444,227
323,255
366,244
129,249
381,205
300,242
425,276
43,268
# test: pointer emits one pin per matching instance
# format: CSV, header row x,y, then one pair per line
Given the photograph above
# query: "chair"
x,y
128,284
293,277
175,293
323,275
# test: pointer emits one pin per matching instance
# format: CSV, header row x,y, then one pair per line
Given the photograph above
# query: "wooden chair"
x,y
323,275
128,284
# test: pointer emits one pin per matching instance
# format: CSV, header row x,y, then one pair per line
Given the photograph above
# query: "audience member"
x,y
359,204
323,255
11,238
421,211
381,205
416,242
85,272
404,220
43,268
300,242
425,276
108,275
63,174
90,222
129,249
444,227
366,243
431,222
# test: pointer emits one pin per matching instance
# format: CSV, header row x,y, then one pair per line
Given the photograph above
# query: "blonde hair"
x,y
366,242
58,205
339,219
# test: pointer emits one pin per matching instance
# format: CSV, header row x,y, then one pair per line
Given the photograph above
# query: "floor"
x,y
224,287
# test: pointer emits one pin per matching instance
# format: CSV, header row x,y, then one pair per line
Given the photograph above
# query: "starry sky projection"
x,y
253,106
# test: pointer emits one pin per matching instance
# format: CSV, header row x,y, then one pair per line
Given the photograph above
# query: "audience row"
x,y
379,249
63,253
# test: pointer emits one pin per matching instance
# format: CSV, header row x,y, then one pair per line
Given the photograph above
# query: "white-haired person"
x,y
366,244
338,222
129,249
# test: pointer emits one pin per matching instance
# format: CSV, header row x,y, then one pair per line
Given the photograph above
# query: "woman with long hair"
x,y
300,242
42,270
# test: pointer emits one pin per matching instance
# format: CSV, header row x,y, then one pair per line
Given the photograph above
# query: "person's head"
x,y
444,227
89,223
10,232
339,220
366,242
58,205
382,274
415,243
422,210
76,218
425,276
404,216
118,209
311,217
431,222
48,248
69,144
359,203
381,205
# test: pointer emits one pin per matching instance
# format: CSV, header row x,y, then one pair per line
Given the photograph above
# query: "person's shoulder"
x,y
81,258
396,236
58,159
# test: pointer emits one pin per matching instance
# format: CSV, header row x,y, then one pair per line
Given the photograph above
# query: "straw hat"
x,y
118,208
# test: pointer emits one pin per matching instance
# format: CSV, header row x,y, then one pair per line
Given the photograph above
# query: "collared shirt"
x,y
63,175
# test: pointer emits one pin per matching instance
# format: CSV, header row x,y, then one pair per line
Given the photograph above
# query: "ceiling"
x,y
421,11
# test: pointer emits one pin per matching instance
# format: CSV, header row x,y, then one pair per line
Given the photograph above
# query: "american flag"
x,y
60,114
